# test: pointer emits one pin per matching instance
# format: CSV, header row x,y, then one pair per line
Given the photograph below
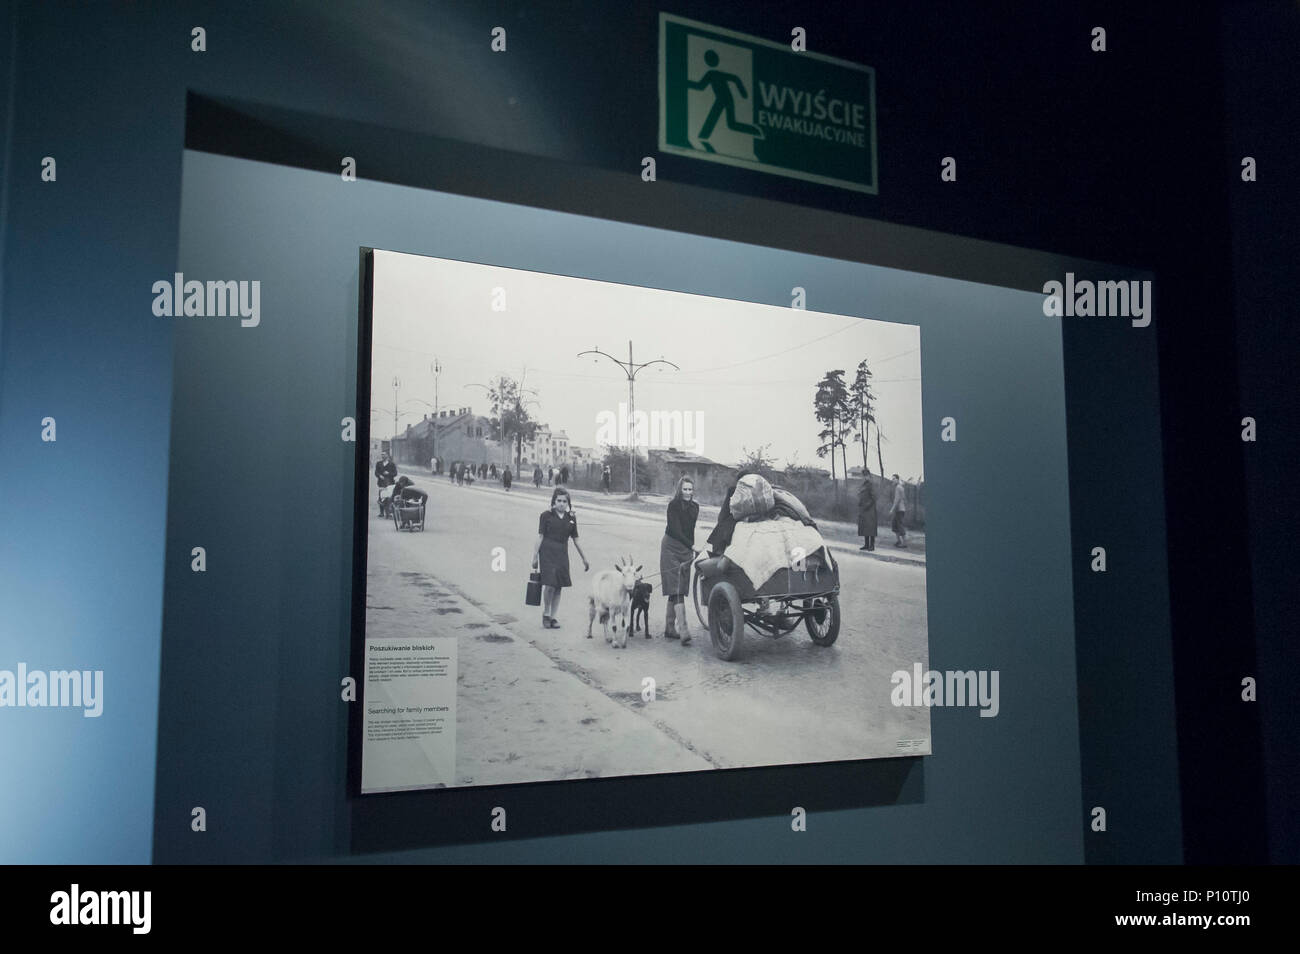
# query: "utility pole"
x,y
631,368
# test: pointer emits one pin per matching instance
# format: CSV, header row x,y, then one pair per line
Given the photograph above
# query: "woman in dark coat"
x,y
551,553
675,555
720,538
506,478
867,521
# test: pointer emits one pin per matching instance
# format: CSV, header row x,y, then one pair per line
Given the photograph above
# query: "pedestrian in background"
x,y
867,518
506,478
899,512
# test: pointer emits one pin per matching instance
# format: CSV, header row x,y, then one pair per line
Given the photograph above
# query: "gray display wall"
x,y
252,726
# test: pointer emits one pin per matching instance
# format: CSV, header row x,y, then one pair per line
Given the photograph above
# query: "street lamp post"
x,y
631,368
437,369
397,383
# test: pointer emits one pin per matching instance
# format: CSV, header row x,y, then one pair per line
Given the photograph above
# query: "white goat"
x,y
611,593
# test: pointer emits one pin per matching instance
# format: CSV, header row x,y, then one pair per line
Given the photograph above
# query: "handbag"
x,y
534,595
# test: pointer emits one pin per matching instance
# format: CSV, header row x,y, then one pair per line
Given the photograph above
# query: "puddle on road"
x,y
494,638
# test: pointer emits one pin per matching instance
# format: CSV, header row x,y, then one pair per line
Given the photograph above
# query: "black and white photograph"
x,y
639,531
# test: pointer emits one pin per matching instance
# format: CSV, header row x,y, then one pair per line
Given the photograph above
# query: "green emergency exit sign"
x,y
745,101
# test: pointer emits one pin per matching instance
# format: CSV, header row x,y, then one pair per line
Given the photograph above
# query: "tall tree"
x,y
831,408
510,414
862,403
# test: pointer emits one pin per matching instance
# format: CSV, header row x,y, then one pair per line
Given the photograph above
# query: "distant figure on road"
x,y
550,476
899,513
675,555
564,475
551,553
537,476
867,520
404,492
605,478
506,478
385,476
407,491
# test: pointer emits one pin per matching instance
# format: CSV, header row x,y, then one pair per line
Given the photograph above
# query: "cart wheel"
x,y
695,594
726,621
823,618
397,521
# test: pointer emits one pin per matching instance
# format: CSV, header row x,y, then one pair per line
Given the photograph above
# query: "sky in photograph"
x,y
748,372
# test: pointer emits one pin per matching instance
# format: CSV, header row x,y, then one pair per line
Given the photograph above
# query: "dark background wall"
x,y
1131,156
1262,96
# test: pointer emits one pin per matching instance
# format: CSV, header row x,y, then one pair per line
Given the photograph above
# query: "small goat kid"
x,y
611,594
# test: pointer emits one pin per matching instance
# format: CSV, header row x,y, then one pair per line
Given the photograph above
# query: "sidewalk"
x,y
841,537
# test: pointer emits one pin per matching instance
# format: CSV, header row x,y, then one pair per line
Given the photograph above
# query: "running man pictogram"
x,y
723,103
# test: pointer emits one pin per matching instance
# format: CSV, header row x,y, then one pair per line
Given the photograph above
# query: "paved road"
x,y
536,703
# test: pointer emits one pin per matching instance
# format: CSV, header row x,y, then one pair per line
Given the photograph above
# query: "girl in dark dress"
x,y
551,553
675,555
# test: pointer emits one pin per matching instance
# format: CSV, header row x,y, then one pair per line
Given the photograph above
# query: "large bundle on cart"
x,y
762,549
752,497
